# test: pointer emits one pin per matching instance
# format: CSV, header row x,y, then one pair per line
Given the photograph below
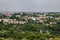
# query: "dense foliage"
x,y
29,31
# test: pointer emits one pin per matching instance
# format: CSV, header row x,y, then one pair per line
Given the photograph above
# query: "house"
x,y
58,18
17,15
33,18
12,21
52,22
21,22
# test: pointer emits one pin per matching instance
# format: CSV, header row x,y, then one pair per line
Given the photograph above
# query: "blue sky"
x,y
30,5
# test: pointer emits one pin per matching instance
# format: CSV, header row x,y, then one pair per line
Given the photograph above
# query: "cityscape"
x,y
29,25
29,19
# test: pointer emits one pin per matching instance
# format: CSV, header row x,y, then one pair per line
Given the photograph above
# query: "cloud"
x,y
30,5
48,5
10,5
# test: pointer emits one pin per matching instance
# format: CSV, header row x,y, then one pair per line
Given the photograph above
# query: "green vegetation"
x,y
33,29
29,31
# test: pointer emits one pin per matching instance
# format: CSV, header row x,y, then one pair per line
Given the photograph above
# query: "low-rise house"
x,y
21,22
37,18
18,16
52,22
57,18
27,18
0,20
44,17
12,21
50,16
33,18
46,24
41,20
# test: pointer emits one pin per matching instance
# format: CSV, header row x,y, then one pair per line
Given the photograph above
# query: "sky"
x,y
30,5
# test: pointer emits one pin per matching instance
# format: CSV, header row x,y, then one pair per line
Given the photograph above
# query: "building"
x,y
12,21
52,22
